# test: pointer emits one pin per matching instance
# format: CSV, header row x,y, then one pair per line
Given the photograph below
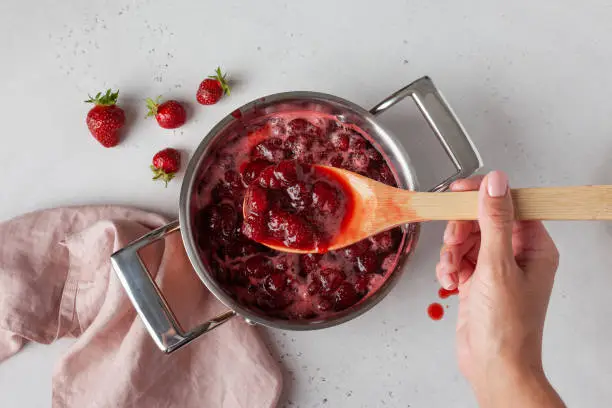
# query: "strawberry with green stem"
x,y
213,88
106,118
165,164
169,114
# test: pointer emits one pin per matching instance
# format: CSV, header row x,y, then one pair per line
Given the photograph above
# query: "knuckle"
x,y
555,256
439,272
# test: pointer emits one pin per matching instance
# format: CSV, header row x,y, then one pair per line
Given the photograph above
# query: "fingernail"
x,y
497,184
447,281
449,231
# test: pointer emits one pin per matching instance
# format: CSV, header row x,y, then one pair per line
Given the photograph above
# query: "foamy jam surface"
x,y
281,284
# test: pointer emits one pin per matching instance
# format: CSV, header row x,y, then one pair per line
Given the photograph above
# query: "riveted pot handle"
x,y
148,299
443,122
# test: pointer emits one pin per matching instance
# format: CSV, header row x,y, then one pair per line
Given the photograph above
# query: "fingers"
x,y
458,231
466,271
496,218
446,271
470,184
458,243
449,276
454,259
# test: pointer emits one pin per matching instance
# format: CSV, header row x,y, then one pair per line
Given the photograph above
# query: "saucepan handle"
x,y
148,299
443,122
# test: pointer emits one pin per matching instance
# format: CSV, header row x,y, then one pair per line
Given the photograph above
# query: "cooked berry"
x,y
237,249
331,279
258,266
286,172
299,233
309,263
324,304
367,263
358,248
336,161
383,242
252,169
359,161
340,141
229,219
275,283
277,223
345,296
388,263
254,227
362,282
325,197
373,154
271,150
314,287
256,200
208,219
297,146
297,126
298,192
357,143
233,179
267,179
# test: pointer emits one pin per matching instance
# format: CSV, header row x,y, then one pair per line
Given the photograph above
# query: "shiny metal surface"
x,y
149,301
443,122
146,296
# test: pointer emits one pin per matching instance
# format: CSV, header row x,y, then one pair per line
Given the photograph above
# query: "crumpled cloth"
x,y
56,281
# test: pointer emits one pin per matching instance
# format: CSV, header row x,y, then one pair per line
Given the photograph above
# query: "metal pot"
x,y
146,296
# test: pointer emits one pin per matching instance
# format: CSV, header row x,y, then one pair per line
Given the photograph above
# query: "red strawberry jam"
x,y
290,203
296,206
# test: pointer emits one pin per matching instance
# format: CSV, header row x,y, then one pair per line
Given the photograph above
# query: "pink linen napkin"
x,y
56,281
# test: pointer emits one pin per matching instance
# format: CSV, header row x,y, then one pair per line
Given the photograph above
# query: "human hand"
x,y
504,271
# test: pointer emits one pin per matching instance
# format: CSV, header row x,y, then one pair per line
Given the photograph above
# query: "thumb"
x,y
495,216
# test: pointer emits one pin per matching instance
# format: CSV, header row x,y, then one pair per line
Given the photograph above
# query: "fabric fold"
x,y
56,281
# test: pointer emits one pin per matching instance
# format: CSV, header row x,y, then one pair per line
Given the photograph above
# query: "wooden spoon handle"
x,y
554,203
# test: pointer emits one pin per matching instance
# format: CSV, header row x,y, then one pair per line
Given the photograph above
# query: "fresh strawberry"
x,y
165,164
105,119
213,88
169,114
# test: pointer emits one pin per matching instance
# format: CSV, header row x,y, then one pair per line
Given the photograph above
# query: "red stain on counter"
x,y
444,293
435,311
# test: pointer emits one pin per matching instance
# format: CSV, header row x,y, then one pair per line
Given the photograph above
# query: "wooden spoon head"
x,y
372,210
377,207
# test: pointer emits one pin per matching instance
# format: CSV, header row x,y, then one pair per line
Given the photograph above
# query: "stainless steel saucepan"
x,y
146,296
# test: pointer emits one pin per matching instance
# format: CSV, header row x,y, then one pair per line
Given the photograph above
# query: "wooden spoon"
x,y
378,207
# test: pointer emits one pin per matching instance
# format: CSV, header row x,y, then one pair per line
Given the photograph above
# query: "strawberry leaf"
x,y
220,77
108,99
152,105
159,174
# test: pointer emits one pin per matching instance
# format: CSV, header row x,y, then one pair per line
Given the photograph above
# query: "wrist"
x,y
510,383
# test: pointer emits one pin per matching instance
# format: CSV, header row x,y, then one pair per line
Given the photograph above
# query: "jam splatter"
x,y
435,311
237,114
444,293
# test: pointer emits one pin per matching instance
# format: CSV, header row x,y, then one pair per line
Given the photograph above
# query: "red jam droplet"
x,y
237,114
445,293
435,311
